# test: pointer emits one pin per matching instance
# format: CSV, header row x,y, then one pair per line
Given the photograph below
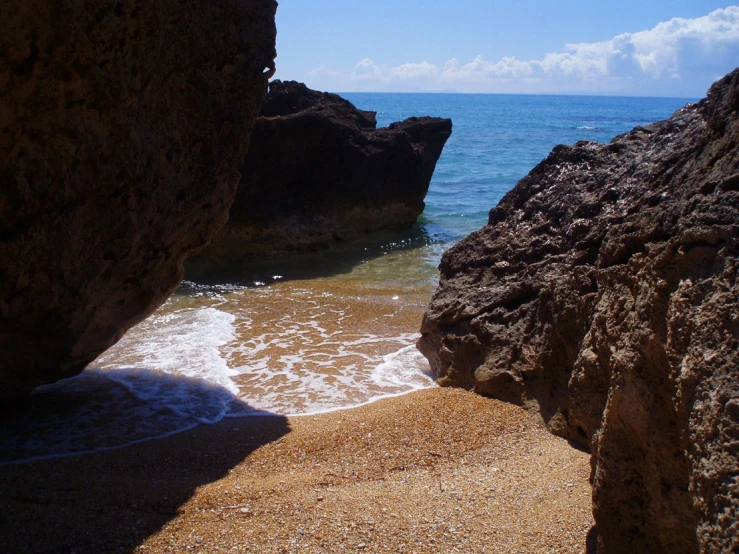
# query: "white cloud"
x,y
415,71
367,70
323,71
676,56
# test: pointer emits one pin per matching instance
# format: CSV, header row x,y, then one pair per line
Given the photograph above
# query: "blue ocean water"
x,y
320,332
497,139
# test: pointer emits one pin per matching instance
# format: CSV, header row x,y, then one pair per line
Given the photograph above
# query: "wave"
x,y
184,368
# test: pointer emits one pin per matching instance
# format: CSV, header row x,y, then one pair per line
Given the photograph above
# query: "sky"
x,y
627,47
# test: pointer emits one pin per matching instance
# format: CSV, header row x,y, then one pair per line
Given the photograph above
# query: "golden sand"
x,y
438,470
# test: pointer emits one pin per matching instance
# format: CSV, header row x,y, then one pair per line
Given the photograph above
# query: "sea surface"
x,y
320,332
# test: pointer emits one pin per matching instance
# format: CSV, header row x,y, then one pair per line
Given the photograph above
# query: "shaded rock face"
x,y
319,171
123,125
604,290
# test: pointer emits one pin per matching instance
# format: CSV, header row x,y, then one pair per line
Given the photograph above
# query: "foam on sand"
x,y
289,349
179,341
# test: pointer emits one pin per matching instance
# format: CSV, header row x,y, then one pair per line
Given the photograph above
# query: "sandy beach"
x,y
438,470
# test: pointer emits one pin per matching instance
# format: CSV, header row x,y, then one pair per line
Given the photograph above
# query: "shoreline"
x,y
257,413
437,470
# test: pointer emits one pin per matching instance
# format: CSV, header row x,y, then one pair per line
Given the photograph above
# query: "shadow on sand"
x,y
114,497
338,259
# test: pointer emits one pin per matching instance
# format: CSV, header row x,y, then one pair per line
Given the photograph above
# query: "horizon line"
x,y
586,94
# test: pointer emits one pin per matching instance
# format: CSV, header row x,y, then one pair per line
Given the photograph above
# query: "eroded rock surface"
x,y
319,171
604,289
123,125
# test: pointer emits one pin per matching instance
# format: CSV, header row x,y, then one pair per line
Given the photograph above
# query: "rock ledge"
x,y
122,128
604,291
318,171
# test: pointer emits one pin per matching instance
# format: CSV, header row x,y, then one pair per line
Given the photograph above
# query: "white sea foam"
x,y
331,374
184,342
206,357
111,408
199,400
405,368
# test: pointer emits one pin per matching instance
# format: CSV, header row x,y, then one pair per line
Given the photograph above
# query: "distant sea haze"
x,y
325,331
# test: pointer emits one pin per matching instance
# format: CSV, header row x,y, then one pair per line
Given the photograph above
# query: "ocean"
x,y
318,332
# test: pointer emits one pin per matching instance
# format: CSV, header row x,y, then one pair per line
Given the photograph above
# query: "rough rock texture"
x,y
318,170
604,289
122,128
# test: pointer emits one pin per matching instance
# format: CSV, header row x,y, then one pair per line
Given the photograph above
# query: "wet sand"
x,y
293,347
437,470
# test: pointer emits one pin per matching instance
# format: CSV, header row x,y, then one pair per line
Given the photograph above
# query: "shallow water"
x,y
274,339
295,346
317,332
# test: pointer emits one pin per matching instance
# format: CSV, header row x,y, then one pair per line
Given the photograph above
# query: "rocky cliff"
x,y
319,171
604,291
123,125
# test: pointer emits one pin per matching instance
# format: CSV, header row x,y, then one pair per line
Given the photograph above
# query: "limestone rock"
x,y
123,125
319,171
604,291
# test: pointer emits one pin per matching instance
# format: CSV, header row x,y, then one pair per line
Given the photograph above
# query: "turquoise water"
x,y
318,332
498,139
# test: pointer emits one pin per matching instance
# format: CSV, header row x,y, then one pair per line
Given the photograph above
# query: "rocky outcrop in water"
x,y
123,125
319,171
604,290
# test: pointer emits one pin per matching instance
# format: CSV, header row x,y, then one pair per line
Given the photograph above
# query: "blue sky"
x,y
645,47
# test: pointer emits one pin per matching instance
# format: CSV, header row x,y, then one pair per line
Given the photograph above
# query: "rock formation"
x,y
122,128
604,290
318,171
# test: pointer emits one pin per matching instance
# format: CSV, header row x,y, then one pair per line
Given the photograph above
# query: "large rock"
x,y
319,171
123,125
604,290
